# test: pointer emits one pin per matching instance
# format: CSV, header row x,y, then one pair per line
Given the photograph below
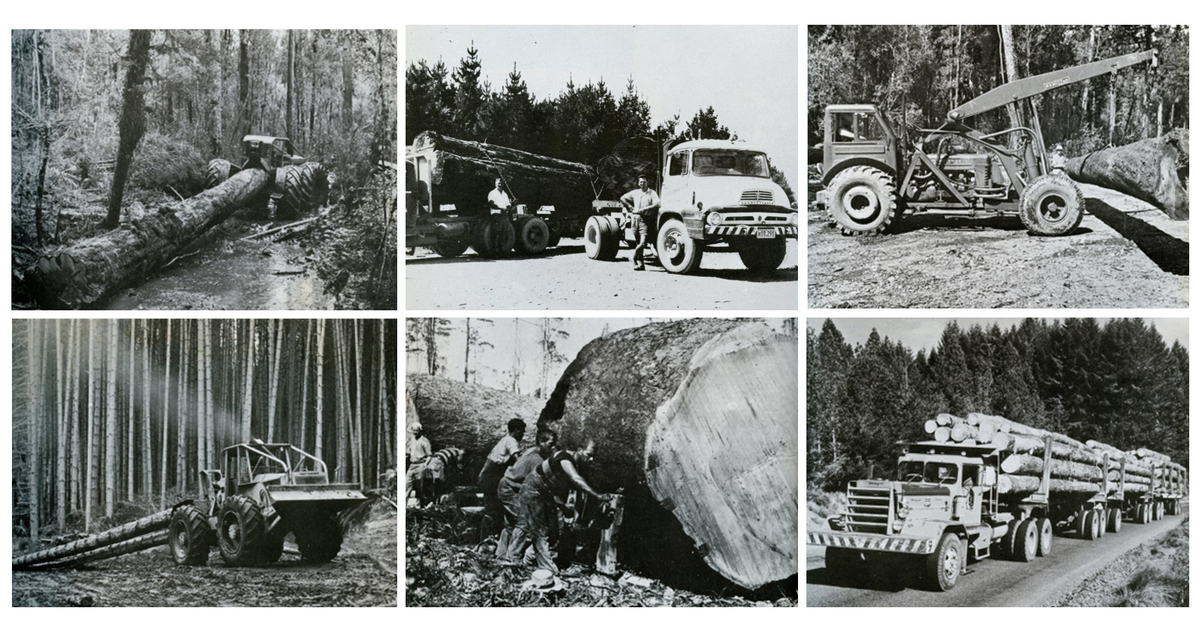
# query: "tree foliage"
x,y
1117,382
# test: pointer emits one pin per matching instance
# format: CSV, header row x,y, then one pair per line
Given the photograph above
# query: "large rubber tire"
x,y
1139,515
533,236
493,237
1114,520
1052,206
1159,512
1045,536
241,532
217,172
189,536
450,248
862,199
1090,528
1026,544
319,539
946,563
677,252
1008,542
1101,523
762,256
600,240
304,187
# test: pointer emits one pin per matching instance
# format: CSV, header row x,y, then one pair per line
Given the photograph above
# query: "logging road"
x,y
1125,254
565,278
992,582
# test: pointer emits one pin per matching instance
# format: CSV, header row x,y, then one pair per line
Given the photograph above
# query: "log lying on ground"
x,y
697,420
125,532
1153,170
464,172
141,543
471,417
84,273
1021,464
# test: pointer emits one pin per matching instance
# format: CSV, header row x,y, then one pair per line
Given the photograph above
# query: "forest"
x,y
1117,382
115,418
110,125
589,124
917,74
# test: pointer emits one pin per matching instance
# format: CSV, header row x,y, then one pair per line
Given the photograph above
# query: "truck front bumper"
x,y
872,542
760,231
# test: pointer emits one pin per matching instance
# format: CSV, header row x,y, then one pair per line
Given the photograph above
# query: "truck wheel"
x,y
1089,527
677,252
1159,512
762,256
946,563
1008,542
217,172
862,199
190,537
1114,520
494,237
533,236
450,248
319,540
1101,522
1045,536
1026,544
600,240
304,187
1052,206
240,532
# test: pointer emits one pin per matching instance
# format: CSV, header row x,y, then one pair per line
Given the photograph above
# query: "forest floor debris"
x,y
1154,574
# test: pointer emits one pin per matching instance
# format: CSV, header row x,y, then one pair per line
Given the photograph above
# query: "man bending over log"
x,y
514,478
503,454
545,488
643,203
419,452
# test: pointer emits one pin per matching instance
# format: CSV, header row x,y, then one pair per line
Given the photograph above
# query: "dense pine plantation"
x,y
116,417
1117,382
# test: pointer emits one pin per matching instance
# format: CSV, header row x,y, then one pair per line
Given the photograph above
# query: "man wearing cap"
x,y
643,203
502,456
419,451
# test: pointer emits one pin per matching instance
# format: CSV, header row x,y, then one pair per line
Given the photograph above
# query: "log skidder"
x,y
297,185
262,492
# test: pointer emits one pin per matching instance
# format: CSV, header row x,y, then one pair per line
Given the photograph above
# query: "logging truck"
x,y
713,191
952,505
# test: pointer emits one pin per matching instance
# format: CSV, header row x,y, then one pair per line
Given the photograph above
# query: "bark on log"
x,y
1008,426
1021,464
471,417
945,420
1114,454
697,420
1146,453
1153,170
141,543
1035,446
84,273
141,526
464,172
1022,484
1115,475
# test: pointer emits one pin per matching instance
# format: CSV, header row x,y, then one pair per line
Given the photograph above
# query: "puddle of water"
x,y
222,272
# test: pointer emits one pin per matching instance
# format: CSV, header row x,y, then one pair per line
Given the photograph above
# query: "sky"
x,y
748,74
925,332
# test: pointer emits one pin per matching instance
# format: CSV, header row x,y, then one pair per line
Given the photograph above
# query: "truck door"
x,y
971,510
675,196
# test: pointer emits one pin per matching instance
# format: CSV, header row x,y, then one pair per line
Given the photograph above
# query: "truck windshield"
x,y
928,472
725,162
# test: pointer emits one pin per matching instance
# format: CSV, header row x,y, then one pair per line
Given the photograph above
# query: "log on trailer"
x,y
84,273
464,172
469,416
1022,464
697,420
152,523
1153,170
1024,484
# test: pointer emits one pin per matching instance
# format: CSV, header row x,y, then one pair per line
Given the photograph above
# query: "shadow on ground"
x,y
1166,251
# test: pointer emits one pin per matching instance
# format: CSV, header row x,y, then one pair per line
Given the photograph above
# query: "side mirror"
x,y
988,479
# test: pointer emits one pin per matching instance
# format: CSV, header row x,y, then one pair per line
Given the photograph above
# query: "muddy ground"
x,y
565,278
1126,254
363,574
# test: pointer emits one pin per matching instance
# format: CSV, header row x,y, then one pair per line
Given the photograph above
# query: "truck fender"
x,y
858,161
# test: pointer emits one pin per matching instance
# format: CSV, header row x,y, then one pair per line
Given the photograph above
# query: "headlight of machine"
x,y
713,218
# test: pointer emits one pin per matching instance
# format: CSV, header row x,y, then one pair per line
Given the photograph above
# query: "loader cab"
x,y
858,134
270,151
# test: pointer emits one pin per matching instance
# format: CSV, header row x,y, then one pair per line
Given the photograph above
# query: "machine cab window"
x,y
857,127
678,165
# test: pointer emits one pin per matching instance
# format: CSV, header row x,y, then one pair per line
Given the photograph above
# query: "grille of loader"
x,y
868,511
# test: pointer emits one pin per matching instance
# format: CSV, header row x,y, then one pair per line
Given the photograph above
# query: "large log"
x,y
1153,170
112,536
141,543
1008,426
1036,446
1021,464
1146,453
464,172
1023,484
469,416
87,271
697,420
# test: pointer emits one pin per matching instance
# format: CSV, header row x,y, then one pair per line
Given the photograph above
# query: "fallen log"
x,y
469,416
85,272
1023,484
1153,170
1022,464
141,543
112,536
697,420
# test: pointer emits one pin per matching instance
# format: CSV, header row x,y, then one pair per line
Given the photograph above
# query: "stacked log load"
x,y
1075,467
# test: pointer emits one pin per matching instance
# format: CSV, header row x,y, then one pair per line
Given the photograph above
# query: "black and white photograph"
x,y
601,168
612,462
204,463
227,169
997,462
1032,166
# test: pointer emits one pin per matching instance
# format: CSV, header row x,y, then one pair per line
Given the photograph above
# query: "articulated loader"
x,y
297,185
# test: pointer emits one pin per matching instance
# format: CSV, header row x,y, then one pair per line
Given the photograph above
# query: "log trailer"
x,y
948,509
870,180
713,191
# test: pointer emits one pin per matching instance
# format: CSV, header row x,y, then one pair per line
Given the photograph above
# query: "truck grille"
x,y
869,509
757,196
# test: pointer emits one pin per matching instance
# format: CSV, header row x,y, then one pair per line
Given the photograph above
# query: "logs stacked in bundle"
x,y
1137,473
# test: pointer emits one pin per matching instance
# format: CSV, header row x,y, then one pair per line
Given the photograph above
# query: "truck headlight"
x,y
794,218
897,525
713,218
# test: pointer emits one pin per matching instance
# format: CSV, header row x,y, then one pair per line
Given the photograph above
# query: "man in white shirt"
x,y
498,198
506,451
643,203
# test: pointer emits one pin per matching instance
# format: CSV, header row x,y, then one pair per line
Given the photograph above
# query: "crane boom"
x,y
1032,86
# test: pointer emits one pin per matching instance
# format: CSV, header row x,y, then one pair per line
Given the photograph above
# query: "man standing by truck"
x,y
497,198
643,202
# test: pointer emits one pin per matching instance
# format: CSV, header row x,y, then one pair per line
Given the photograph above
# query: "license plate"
x,y
766,233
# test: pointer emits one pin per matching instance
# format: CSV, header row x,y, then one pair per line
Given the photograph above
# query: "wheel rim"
x,y
180,539
233,533
861,204
951,564
591,237
1031,541
1052,207
673,246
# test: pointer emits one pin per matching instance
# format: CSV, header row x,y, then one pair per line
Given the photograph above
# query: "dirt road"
x,y
992,582
1126,254
565,278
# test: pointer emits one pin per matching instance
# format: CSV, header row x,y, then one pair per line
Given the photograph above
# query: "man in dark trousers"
x,y
502,456
643,202
510,485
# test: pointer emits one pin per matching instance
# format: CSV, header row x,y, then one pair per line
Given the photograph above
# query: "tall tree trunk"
x,y
276,348
319,416
304,385
147,446
166,421
181,475
347,53
244,82
60,490
91,428
33,424
291,78
133,121
1010,68
358,416
73,413
467,355
110,428
210,445
130,435
248,392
